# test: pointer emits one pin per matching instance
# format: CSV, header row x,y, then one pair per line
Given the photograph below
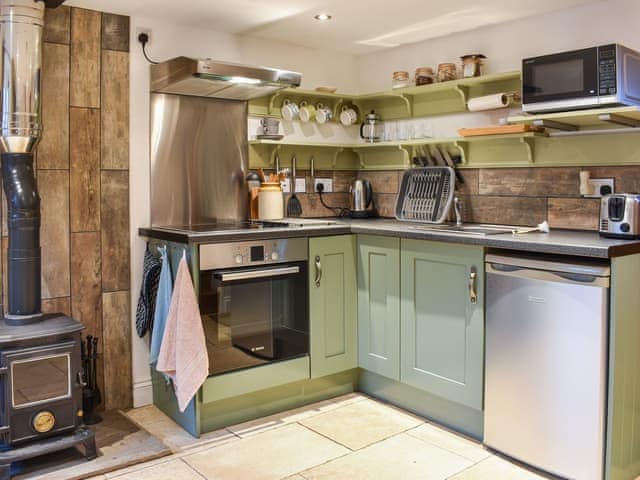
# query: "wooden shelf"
x,y
593,119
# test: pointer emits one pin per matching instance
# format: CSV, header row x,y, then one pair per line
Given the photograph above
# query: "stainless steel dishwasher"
x,y
546,362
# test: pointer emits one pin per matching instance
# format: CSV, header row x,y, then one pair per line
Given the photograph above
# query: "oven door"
x,y
562,81
254,316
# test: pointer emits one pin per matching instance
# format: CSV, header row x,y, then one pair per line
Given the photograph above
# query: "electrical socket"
x,y
285,184
327,184
600,186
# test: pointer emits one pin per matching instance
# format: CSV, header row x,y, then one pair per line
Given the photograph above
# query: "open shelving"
x,y
577,138
418,101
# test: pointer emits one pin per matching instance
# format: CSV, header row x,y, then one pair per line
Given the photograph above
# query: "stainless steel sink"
x,y
479,229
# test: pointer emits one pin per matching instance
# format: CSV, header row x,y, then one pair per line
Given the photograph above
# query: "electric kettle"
x,y
361,199
372,129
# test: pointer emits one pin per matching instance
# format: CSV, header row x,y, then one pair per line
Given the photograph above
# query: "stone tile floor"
x,y
350,437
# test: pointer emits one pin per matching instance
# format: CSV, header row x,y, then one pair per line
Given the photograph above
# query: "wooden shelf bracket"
x,y
618,119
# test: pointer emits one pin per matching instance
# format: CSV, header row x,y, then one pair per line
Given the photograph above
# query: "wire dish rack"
x,y
426,194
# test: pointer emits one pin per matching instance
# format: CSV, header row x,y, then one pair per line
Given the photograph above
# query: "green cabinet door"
x,y
442,326
379,305
332,304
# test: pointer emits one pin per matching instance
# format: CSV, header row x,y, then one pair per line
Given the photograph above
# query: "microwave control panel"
x,y
607,78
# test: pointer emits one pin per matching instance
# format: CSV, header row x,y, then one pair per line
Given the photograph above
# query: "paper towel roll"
x,y
489,102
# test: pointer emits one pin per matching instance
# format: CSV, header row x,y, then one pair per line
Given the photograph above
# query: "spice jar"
x,y
446,72
270,202
471,65
400,79
424,76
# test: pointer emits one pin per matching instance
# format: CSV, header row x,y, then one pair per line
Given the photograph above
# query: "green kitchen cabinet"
x,y
379,305
442,320
332,304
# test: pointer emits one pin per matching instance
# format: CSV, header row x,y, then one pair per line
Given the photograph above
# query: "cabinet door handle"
x,y
318,271
473,294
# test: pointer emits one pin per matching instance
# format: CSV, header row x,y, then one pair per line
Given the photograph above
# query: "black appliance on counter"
x,y
40,370
253,301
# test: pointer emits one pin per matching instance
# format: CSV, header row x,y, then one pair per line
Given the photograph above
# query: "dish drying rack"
x,y
426,194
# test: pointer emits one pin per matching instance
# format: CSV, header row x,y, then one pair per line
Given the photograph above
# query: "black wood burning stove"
x,y
40,366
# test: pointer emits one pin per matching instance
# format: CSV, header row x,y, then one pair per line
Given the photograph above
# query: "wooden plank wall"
x,y
83,178
517,196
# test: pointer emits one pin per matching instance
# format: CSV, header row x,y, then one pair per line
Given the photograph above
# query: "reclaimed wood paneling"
x,y
86,288
342,180
85,170
117,349
504,210
54,232
115,118
574,213
115,32
53,150
85,58
57,25
114,212
382,182
543,182
57,305
385,204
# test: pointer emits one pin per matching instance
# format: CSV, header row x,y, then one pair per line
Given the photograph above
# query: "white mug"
x,y
307,112
323,114
290,111
348,116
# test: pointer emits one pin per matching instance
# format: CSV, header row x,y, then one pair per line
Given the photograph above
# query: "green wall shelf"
x,y
596,137
419,101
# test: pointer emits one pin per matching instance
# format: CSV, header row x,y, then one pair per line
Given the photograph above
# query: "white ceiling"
x,y
357,27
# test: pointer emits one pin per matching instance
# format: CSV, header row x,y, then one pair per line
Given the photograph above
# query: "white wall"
x,y
167,41
612,21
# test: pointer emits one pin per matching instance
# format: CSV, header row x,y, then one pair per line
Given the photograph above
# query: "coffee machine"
x,y
361,205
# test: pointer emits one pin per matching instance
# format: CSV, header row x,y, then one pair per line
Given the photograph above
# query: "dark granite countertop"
x,y
559,242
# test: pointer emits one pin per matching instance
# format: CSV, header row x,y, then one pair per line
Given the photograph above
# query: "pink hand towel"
x,y
183,353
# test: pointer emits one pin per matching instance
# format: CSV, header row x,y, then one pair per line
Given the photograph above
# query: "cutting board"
x,y
499,130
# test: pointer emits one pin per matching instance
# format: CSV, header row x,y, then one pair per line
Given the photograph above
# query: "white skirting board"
x,y
142,394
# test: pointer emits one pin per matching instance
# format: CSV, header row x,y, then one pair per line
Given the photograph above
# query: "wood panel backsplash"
x,y
83,177
516,196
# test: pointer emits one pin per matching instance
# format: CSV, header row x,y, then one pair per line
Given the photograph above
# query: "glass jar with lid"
x,y
424,76
400,79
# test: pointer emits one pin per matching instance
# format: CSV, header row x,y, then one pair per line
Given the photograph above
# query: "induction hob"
x,y
224,226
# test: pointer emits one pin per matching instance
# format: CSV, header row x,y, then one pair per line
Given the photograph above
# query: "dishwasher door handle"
x,y
547,276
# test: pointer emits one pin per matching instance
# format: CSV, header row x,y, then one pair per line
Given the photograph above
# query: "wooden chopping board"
x,y
499,130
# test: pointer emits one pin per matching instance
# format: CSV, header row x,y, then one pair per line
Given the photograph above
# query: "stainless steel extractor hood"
x,y
209,78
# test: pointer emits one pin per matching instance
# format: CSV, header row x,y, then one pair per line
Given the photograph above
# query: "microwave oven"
x,y
604,76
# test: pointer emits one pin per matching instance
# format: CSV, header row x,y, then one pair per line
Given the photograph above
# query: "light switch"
x,y
301,185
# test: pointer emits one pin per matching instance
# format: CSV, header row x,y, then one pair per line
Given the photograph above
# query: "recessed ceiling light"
x,y
322,17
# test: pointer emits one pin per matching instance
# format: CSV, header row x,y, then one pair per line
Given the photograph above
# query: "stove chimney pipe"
x,y
21,24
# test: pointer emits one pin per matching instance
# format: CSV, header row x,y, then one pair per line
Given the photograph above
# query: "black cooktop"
x,y
225,226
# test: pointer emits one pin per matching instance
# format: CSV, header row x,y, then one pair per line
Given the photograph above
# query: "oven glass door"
x,y
563,76
254,316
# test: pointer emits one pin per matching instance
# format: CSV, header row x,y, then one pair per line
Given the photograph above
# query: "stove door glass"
x,y
40,379
254,316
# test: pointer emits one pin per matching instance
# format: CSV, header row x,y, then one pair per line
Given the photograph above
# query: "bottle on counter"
x,y
253,186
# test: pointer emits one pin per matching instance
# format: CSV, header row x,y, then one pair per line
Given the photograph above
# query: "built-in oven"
x,y
253,298
607,75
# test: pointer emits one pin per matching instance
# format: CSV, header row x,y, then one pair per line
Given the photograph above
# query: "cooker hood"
x,y
209,78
